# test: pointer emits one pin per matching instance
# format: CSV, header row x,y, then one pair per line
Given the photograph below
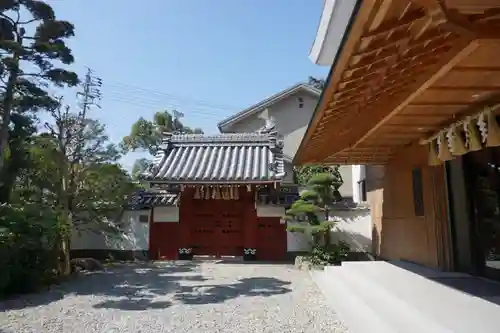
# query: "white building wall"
x,y
298,241
356,178
135,235
354,227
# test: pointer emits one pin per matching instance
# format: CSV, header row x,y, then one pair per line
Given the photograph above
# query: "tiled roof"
x,y
147,199
222,158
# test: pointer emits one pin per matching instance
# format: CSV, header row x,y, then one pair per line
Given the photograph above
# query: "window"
x,y
301,102
362,190
143,218
418,193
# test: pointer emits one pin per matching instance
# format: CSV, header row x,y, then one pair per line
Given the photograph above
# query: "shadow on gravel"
x,y
144,286
133,304
249,287
137,284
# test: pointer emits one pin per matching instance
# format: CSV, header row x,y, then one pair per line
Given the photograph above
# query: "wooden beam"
x,y
460,24
476,69
394,24
464,49
459,51
453,20
447,104
465,88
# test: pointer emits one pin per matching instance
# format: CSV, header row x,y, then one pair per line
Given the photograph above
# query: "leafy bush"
x,y
322,255
29,257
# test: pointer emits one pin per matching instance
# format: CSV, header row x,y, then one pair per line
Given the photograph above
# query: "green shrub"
x,y
322,255
28,247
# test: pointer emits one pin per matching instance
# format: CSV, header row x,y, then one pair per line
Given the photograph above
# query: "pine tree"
x,y
28,61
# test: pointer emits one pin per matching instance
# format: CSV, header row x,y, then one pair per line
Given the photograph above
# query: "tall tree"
x,y
75,165
28,61
146,135
20,138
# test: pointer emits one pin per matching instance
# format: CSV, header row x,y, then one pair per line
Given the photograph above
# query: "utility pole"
x,y
88,97
91,93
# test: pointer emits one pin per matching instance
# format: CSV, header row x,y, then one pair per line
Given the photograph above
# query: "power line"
x,y
160,102
159,106
122,86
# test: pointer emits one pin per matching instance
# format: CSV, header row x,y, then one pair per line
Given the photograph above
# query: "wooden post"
x,y
250,225
152,248
185,219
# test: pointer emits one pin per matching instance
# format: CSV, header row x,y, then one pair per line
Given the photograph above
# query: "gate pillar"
x,y
185,251
250,226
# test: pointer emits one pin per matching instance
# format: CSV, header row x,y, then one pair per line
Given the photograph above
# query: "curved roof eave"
x,y
331,29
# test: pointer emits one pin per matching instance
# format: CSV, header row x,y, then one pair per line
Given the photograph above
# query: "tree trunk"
x,y
6,188
8,101
326,236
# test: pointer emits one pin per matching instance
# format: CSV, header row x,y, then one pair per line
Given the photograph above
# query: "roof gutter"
x,y
317,110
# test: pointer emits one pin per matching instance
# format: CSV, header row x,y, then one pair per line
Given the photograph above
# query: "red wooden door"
x,y
271,239
163,240
203,233
217,228
229,235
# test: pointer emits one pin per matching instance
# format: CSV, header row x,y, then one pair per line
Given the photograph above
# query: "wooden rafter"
x,y
465,88
392,80
376,115
456,22
394,24
461,52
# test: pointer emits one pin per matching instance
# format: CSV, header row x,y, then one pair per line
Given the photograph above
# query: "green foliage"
x,y
56,180
30,64
104,188
318,229
146,135
321,192
322,189
332,254
29,234
304,209
305,172
140,166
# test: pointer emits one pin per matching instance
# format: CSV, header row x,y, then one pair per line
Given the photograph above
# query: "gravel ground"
x,y
183,297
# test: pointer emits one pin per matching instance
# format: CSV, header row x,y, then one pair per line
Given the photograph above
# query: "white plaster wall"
x,y
166,214
358,174
346,190
356,177
289,178
354,227
135,235
298,241
290,120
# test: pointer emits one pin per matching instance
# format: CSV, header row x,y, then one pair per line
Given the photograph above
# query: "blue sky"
x,y
206,58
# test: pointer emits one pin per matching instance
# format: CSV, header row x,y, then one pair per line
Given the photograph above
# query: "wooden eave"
x,y
407,69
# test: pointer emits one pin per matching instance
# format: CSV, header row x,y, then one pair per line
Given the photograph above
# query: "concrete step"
x,y
357,315
447,307
396,312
